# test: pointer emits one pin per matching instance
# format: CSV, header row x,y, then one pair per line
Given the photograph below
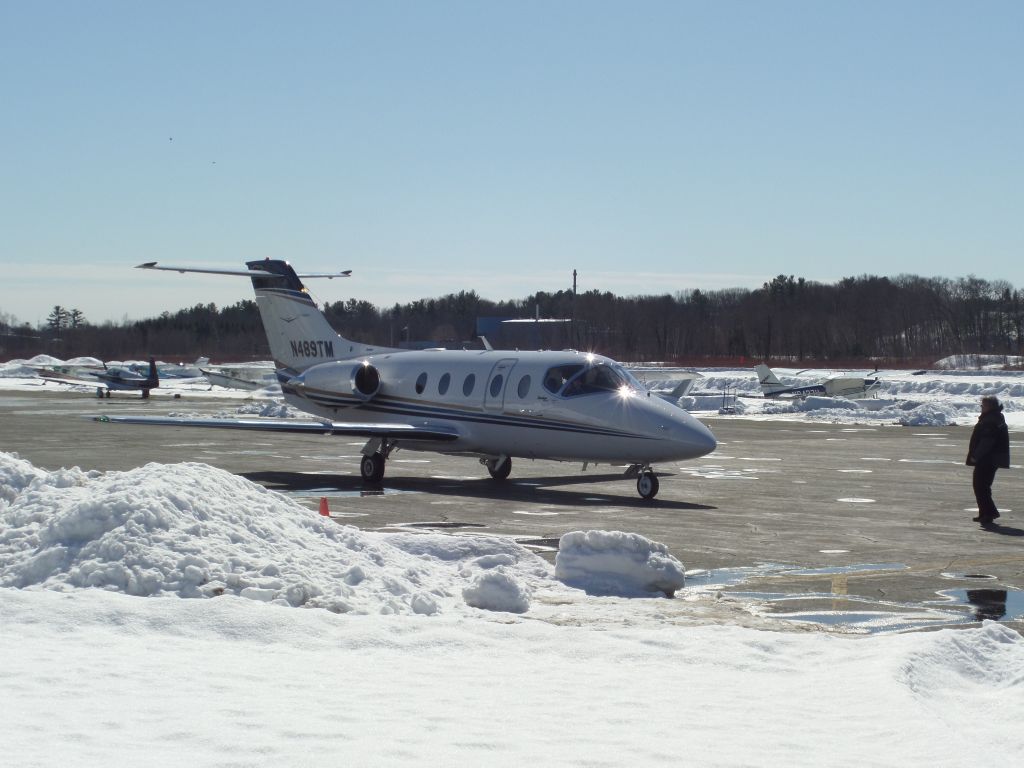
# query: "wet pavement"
x,y
863,528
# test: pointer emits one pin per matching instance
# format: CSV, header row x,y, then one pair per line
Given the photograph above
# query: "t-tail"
x,y
297,331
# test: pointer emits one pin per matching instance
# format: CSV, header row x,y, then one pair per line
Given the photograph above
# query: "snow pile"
x,y
192,530
933,415
839,410
85,362
498,590
16,370
273,409
616,563
952,661
988,362
41,361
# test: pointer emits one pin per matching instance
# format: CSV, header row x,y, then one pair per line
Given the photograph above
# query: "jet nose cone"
x,y
702,439
694,439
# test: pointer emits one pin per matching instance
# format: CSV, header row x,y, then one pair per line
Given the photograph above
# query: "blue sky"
x,y
438,147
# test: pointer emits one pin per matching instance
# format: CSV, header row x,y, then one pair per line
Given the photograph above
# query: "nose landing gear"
x,y
647,485
646,481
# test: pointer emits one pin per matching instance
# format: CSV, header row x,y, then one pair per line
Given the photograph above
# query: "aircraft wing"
x,y
301,426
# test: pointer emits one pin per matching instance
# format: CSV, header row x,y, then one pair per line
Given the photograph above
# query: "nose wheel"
x,y
647,485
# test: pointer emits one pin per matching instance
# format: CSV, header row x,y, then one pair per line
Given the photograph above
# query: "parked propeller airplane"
x,y
118,378
835,386
491,404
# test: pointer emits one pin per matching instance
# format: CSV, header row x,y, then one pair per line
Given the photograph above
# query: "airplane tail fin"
x,y
153,379
297,331
769,382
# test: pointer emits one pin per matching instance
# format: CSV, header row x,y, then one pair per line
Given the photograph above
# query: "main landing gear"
x,y
372,467
647,484
499,467
375,454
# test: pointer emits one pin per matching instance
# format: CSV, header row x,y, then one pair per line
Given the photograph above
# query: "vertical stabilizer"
x,y
769,382
299,334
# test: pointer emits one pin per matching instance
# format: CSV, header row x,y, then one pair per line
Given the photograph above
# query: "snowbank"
x,y
616,563
989,362
15,370
193,531
274,409
97,678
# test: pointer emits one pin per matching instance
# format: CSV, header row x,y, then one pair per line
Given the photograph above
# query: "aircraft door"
x,y
497,383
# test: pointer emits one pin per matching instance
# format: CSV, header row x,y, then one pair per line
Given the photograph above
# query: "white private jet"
x,y
834,386
490,404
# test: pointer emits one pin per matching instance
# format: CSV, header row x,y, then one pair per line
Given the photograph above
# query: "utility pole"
x,y
572,316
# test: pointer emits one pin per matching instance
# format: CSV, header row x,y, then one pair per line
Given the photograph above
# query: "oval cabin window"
x,y
524,387
468,384
421,383
496,383
442,385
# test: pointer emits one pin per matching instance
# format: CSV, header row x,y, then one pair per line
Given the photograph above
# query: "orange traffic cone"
x,y
323,507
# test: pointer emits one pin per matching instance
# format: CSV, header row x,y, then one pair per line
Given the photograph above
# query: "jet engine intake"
x,y
345,379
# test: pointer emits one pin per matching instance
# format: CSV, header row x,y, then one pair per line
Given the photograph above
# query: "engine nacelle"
x,y
340,379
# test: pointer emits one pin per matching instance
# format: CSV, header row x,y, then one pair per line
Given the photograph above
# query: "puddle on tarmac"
x,y
334,492
539,545
847,569
439,524
711,472
969,576
861,614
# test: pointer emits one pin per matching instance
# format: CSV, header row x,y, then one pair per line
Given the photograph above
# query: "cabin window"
x,y
468,384
598,378
442,385
555,378
421,383
496,383
524,387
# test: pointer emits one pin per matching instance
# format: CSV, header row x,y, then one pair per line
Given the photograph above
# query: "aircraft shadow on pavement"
x,y
536,490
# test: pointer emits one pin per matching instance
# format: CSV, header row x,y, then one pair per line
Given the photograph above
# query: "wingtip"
x,y
146,265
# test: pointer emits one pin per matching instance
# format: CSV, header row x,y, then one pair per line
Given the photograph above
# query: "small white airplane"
x,y
835,386
490,404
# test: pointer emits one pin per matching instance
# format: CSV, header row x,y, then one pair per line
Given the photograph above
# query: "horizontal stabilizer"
x,y
343,429
236,272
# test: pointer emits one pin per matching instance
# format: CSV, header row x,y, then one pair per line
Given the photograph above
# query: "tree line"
x,y
902,320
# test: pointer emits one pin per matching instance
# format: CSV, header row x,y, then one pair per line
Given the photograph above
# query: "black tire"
x,y
499,469
647,485
372,468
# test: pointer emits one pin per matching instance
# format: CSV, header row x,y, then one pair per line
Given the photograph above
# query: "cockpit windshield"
x,y
596,378
556,377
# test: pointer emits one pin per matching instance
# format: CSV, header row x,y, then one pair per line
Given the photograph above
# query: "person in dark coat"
x,y
989,450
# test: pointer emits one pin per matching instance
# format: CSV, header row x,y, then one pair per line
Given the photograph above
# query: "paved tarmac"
x,y
879,512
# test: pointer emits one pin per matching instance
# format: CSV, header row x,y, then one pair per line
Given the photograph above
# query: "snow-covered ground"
x,y
181,615
909,398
